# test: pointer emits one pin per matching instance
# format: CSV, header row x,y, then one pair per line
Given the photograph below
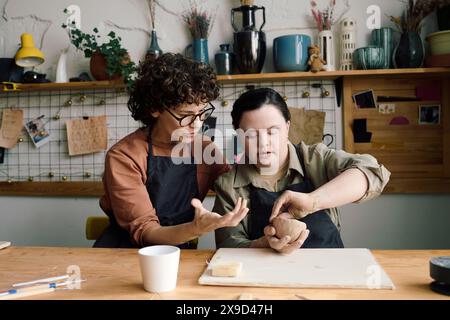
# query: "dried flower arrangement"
x,y
416,11
152,7
198,20
247,2
324,19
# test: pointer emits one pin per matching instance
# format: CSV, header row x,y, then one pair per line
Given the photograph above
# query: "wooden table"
x,y
115,274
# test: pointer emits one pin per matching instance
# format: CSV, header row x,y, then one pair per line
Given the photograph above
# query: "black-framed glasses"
x,y
188,120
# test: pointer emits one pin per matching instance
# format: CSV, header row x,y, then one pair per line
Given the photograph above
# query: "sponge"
x,y
226,269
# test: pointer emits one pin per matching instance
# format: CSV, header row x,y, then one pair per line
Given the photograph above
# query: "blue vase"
x,y
225,60
290,53
199,48
383,38
154,50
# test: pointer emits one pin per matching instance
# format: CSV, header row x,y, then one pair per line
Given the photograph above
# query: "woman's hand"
x,y
297,204
282,245
206,221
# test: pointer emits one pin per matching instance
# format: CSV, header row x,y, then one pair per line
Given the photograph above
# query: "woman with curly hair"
x,y
149,197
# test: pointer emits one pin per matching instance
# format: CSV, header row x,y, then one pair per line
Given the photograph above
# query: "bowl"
x,y
290,52
368,58
439,43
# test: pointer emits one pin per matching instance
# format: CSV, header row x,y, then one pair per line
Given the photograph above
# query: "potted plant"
x,y
109,60
410,52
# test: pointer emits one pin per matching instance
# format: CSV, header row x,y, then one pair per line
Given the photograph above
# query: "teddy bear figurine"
x,y
316,63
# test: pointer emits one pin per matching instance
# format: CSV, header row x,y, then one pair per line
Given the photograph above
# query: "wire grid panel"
x,y
52,162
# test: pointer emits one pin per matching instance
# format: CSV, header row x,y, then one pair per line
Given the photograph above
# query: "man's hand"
x,y
206,221
282,245
297,204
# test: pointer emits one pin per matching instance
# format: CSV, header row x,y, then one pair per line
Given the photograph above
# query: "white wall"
x,y
389,222
401,221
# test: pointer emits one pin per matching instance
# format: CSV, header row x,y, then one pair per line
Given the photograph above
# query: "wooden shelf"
x,y
52,189
240,78
56,189
411,186
329,75
68,86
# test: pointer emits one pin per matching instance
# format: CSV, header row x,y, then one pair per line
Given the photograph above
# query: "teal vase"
x,y
154,51
383,38
225,60
368,58
199,50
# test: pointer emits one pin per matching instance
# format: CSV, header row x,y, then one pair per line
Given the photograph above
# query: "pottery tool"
x,y
34,290
46,280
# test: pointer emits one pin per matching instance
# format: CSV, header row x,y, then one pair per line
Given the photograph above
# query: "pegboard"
x,y
51,163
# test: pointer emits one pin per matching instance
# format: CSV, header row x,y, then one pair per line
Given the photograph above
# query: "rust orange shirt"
x,y
125,176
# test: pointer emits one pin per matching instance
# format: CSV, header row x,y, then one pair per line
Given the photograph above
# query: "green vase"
x,y
371,57
383,38
410,52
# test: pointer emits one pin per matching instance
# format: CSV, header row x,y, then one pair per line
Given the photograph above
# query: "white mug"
x,y
159,268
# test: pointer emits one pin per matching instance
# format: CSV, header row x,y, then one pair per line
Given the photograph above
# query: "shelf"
x,y
56,189
68,86
241,78
328,75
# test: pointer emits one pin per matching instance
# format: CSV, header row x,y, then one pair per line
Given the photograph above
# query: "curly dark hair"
x,y
167,82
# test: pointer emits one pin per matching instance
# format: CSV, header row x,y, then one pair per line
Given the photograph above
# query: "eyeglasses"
x,y
188,120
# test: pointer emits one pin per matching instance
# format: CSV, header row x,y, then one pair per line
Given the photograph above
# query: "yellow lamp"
x,y
28,55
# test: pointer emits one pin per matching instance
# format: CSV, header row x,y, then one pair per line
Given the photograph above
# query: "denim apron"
x,y
171,187
323,232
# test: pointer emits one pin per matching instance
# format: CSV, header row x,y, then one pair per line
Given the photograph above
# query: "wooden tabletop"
x,y
115,274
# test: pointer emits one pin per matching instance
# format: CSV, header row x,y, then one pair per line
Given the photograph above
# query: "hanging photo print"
x,y
37,131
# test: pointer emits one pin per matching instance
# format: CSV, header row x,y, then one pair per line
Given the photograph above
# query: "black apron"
x,y
323,232
171,187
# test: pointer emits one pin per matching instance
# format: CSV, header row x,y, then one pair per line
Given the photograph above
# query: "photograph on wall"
x,y
365,99
37,131
430,115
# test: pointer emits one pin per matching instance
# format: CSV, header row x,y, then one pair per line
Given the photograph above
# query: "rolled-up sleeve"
x,y
124,185
230,237
336,162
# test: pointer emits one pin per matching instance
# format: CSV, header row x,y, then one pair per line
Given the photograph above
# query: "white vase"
x,y
348,43
61,69
327,52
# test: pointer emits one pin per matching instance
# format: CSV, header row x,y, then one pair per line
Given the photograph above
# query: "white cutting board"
x,y
305,268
